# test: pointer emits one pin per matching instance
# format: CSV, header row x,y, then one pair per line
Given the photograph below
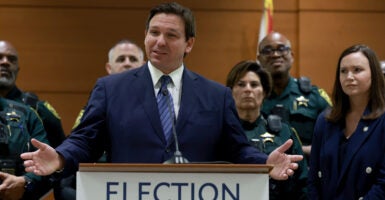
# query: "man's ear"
x,y
190,44
292,57
108,68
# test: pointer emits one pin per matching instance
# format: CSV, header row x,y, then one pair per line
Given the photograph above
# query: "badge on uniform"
x,y
301,101
267,137
13,116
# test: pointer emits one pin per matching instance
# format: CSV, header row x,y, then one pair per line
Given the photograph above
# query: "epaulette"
x,y
304,84
51,109
31,99
325,96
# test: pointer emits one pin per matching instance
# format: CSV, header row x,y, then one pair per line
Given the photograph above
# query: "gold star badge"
x,y
302,101
267,137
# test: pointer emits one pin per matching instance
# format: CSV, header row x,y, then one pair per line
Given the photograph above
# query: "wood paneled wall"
x,y
63,44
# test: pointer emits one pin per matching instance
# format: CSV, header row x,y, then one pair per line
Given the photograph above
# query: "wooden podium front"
x,y
172,181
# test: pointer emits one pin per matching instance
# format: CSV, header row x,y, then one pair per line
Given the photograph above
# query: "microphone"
x,y
177,158
165,93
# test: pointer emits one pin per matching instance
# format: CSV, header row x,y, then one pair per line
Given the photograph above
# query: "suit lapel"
x,y
363,130
189,99
147,97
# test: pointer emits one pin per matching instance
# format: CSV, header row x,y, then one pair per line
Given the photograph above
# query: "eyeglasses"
x,y
281,51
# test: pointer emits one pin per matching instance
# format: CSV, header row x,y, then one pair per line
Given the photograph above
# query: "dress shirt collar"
x,y
176,76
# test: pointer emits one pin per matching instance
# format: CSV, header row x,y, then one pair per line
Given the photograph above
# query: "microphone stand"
x,y
177,158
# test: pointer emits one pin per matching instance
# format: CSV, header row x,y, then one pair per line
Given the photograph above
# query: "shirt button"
x,y
368,170
319,174
365,128
361,198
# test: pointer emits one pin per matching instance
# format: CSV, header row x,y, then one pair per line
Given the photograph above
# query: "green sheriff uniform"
x,y
299,105
18,124
267,135
51,120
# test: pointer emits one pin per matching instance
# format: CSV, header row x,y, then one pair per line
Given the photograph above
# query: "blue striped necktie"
x,y
165,107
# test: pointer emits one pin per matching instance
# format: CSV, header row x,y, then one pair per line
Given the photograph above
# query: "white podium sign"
x,y
172,182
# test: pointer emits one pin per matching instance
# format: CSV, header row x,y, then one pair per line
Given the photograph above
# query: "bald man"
x,y
9,70
297,101
49,120
124,55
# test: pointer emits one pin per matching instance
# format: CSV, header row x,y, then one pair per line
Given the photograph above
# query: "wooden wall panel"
x,y
123,4
322,43
342,5
66,49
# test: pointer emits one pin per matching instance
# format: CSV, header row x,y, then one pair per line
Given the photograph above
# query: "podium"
x,y
112,181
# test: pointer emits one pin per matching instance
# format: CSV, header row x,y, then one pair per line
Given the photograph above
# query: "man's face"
x,y
124,57
166,43
275,54
9,66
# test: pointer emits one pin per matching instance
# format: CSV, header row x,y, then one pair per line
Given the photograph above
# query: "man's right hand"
x,y
43,161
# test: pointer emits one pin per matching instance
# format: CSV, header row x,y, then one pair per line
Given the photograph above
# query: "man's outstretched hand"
x,y
283,164
43,161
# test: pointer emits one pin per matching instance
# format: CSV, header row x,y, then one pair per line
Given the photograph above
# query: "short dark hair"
x,y
240,70
376,102
177,9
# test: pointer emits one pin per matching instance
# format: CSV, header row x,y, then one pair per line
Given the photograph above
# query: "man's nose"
x,y
276,53
161,40
128,62
4,60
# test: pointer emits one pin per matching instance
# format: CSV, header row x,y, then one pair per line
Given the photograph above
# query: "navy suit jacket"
x,y
122,118
360,174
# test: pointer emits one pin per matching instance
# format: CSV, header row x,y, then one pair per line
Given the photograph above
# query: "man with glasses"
x,y
295,100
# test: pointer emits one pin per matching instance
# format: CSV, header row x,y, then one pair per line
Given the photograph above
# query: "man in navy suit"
x,y
122,116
